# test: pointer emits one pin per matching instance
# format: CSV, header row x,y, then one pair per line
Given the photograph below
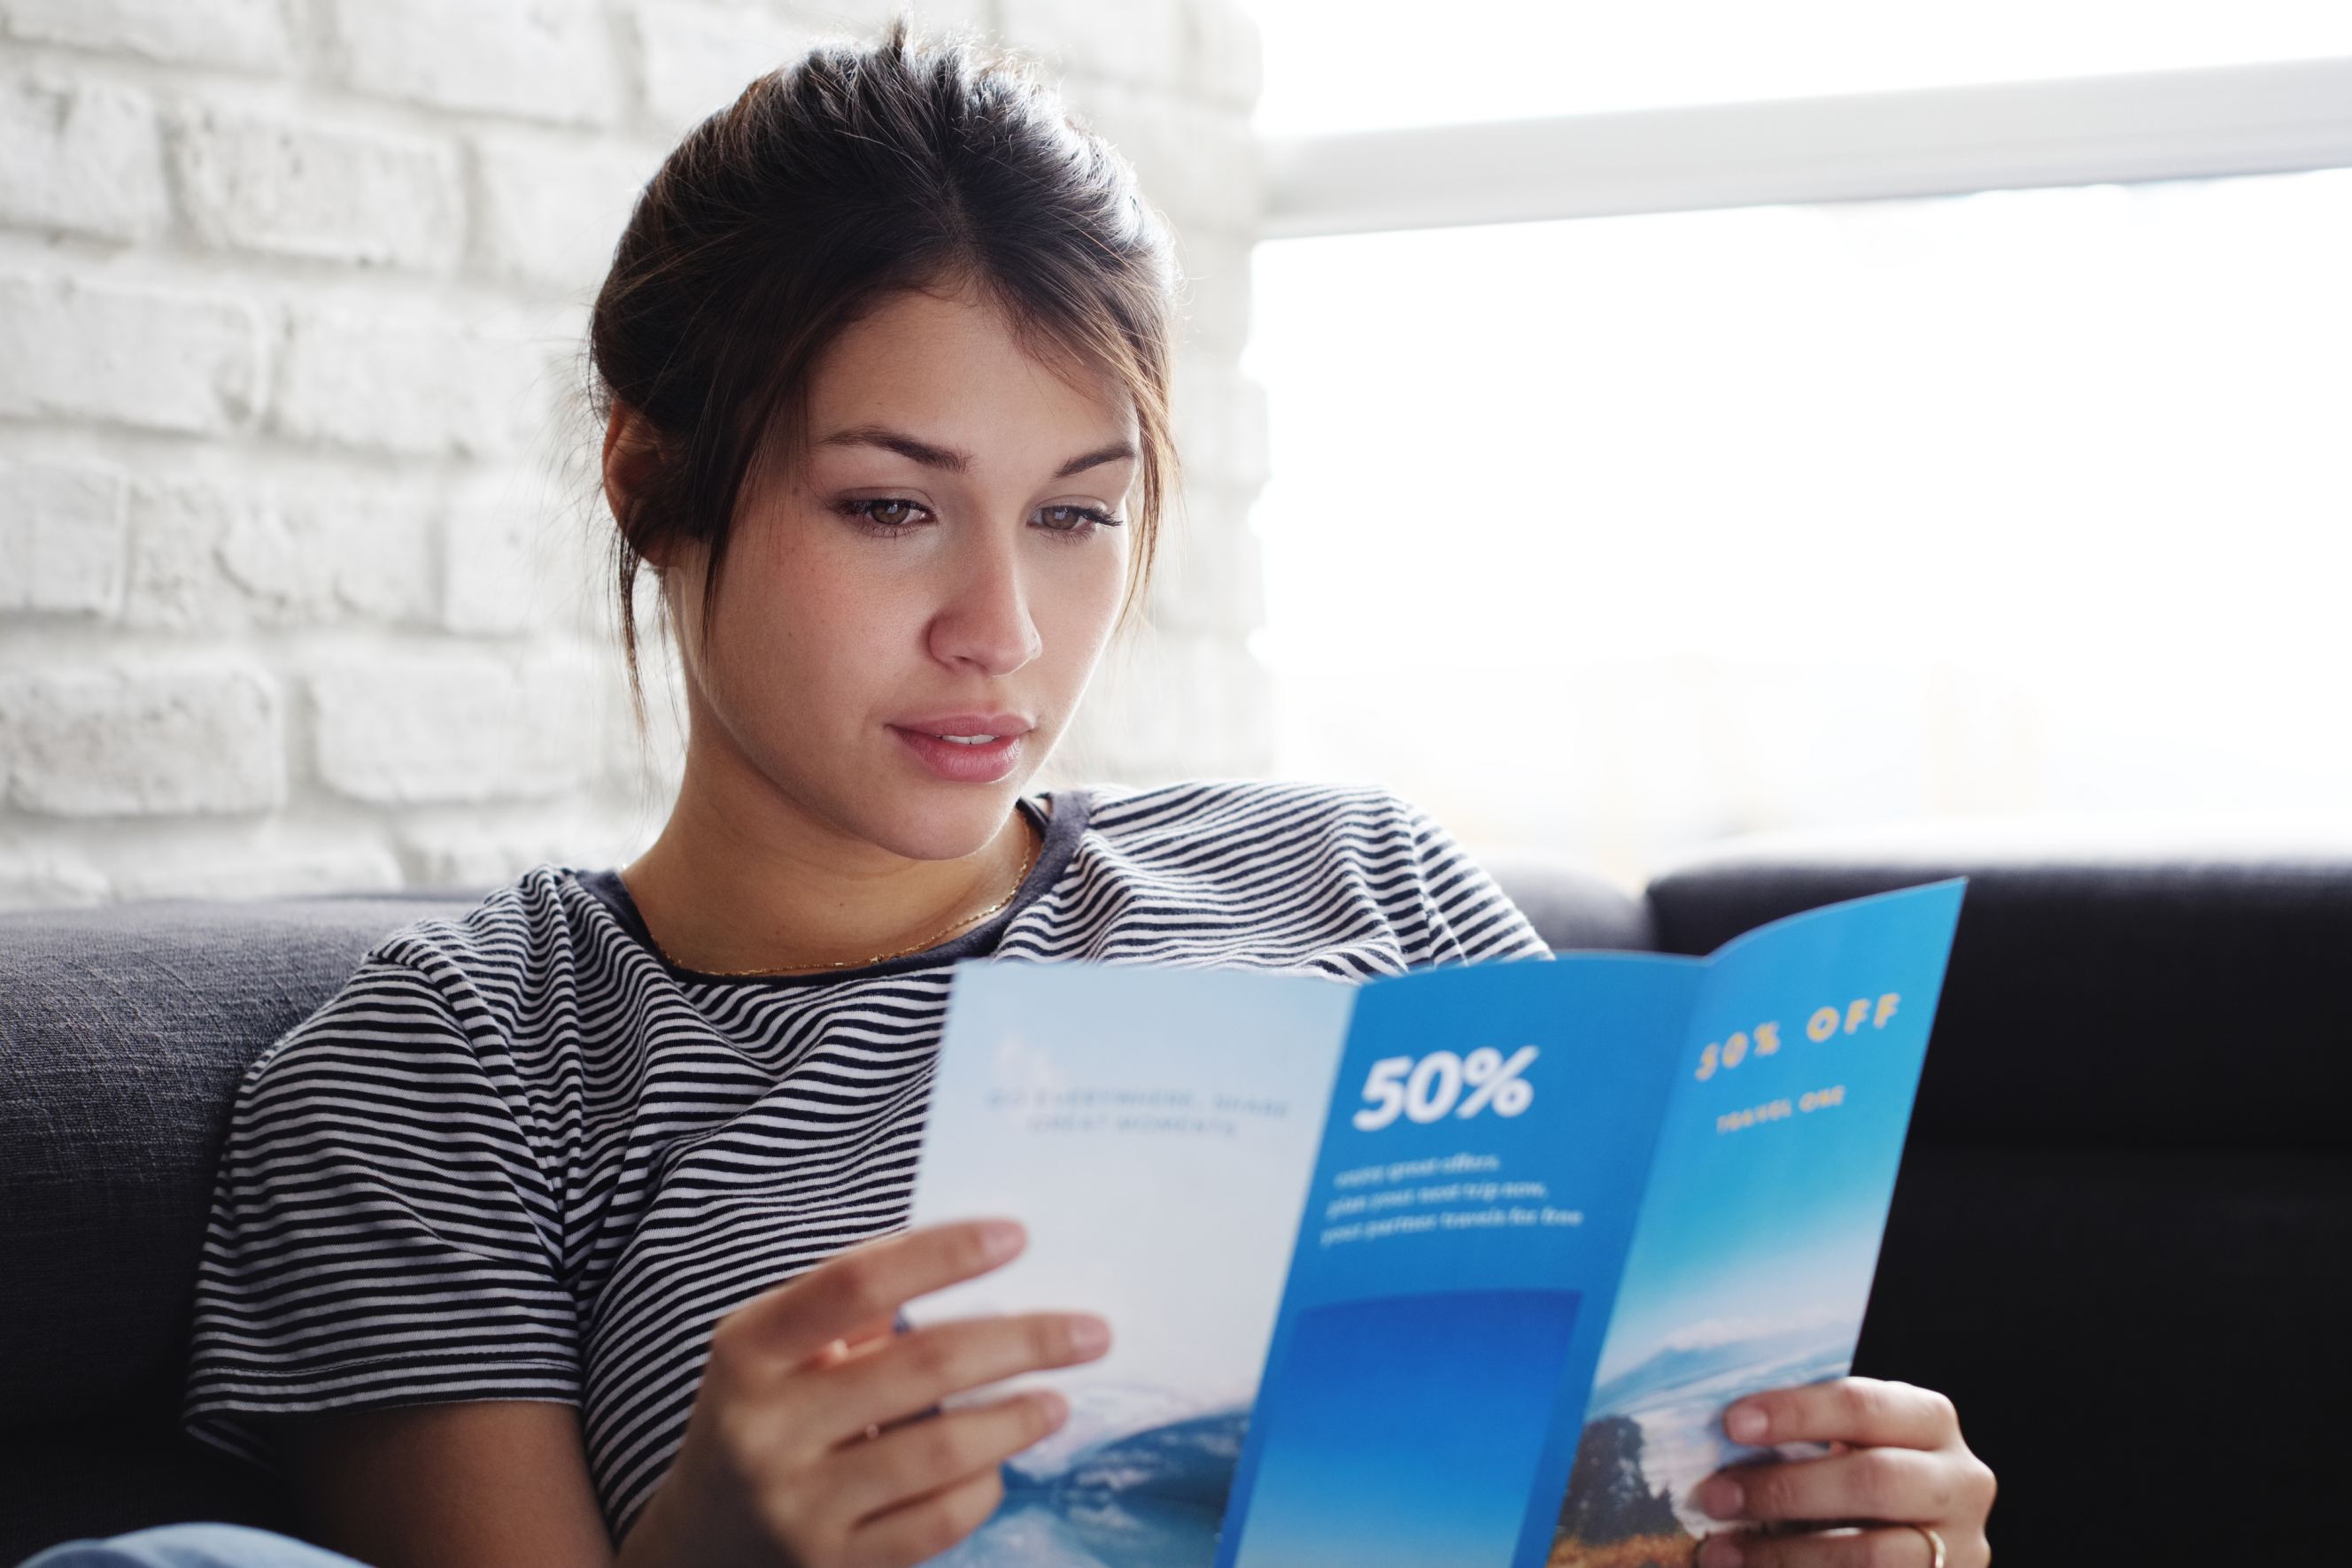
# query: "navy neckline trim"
x,y
1061,831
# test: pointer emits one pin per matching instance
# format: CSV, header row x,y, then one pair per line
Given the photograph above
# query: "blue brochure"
x,y
1455,1268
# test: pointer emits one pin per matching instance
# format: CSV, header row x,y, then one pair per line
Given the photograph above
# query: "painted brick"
x,y
1220,421
1215,305
209,556
472,854
188,739
550,212
645,765
291,188
1209,572
533,59
369,544
175,580
329,557
62,537
248,34
81,158
698,59
1198,164
1163,708
492,578
1224,60
865,18
454,724
39,877
1135,41
402,379
273,868
152,357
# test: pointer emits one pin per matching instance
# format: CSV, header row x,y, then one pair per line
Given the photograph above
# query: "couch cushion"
x,y
2091,1311
125,1030
1571,905
69,1483
2124,1213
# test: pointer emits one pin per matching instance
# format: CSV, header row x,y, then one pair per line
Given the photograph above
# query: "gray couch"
x,y
2122,1239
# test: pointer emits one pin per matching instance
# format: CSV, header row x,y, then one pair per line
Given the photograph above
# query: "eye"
x,y
1065,520
885,514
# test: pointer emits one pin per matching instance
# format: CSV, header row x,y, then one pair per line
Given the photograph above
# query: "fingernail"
x,y
1719,1552
1721,1497
1001,1238
1053,1406
1088,1335
1745,1423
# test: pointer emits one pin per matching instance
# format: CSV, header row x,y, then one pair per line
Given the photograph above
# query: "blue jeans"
x,y
191,1546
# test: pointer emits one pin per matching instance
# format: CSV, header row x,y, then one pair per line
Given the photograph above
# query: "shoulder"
x,y
460,984
1200,812
510,935
1343,876
449,1036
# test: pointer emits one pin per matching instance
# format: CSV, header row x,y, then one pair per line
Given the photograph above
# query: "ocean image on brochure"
x,y
1751,1263
1086,1132
1661,1423
1127,1488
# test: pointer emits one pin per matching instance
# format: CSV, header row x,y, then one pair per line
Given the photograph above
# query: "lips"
x,y
998,724
966,761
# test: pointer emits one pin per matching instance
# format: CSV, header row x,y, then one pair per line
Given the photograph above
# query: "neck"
x,y
742,879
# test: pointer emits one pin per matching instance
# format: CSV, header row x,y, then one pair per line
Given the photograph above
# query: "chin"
x,y
938,822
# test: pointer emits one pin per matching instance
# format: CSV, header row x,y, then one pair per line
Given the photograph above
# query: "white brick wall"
x,y
145,738
285,187
246,34
553,60
300,549
62,538
157,359
82,159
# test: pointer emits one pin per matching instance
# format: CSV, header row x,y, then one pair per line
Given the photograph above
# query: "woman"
x,y
576,1222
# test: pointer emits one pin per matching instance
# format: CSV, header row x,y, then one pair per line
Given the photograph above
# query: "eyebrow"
x,y
955,462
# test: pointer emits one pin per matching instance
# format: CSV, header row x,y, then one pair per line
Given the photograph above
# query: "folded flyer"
x,y
1455,1268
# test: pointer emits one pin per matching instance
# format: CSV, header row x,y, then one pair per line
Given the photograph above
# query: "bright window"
x,y
1621,534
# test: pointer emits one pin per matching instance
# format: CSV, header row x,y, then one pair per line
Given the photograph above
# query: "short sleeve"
x,y
382,1230
1469,917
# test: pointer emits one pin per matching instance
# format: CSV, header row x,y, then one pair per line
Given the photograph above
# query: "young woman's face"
x,y
948,559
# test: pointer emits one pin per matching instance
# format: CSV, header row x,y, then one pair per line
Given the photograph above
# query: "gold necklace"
x,y
1036,844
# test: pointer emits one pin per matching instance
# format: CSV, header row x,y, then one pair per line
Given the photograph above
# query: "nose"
x,y
983,621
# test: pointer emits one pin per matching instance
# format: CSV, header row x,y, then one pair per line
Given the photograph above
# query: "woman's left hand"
x,y
1895,1460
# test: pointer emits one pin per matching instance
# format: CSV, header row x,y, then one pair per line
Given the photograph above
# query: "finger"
x,y
1862,1411
918,1530
1880,1547
844,1294
863,1340
918,1369
1898,1485
928,1455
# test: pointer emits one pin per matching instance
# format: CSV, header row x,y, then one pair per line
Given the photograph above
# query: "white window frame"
x,y
2266,119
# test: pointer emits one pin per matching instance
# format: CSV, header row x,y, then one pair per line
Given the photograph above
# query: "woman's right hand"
x,y
777,1469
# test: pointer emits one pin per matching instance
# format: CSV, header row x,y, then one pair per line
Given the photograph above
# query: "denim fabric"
x,y
191,1546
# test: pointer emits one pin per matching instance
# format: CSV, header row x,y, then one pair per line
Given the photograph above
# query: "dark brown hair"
x,y
829,183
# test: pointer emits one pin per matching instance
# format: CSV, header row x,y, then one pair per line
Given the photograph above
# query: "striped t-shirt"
x,y
521,1155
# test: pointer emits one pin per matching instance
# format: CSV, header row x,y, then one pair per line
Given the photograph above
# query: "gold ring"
x,y
1935,1545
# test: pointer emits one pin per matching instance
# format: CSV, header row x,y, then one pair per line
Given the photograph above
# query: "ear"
x,y
632,453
